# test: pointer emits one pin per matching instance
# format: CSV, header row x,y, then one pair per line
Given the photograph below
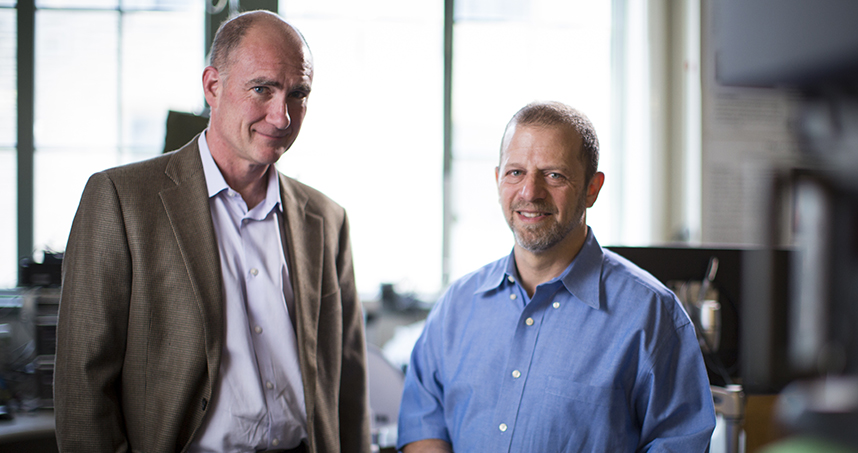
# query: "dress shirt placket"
x,y
519,360
269,322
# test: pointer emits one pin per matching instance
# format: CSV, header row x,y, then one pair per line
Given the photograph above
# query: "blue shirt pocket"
x,y
584,393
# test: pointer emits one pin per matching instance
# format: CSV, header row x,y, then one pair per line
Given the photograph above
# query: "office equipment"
x,y
385,391
181,128
730,406
685,269
786,42
812,49
47,272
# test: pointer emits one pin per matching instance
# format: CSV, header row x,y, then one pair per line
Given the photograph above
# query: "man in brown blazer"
x,y
146,354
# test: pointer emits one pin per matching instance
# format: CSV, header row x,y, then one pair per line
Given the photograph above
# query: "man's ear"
x,y
594,187
211,85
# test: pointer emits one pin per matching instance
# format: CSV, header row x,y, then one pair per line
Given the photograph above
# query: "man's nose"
x,y
533,186
278,114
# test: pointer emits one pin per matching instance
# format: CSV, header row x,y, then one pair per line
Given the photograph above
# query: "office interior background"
x,y
404,123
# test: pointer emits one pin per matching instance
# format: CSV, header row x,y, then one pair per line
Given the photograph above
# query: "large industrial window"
x,y
108,71
106,74
8,228
373,138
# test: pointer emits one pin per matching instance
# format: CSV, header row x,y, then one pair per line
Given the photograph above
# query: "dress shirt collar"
x,y
580,278
216,184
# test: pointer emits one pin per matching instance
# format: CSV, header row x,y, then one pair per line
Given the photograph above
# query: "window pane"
x,y
61,174
162,63
552,50
76,79
426,12
85,105
94,4
8,223
166,5
76,114
8,78
8,138
373,136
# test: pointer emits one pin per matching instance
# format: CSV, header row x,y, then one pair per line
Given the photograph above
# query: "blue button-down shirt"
x,y
601,359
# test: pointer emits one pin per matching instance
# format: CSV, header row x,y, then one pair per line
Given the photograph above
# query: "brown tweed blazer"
x,y
140,328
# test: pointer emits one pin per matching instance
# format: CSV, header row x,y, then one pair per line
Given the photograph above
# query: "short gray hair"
x,y
552,114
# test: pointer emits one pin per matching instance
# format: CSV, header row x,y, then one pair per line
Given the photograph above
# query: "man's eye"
x,y
555,176
260,90
515,172
299,94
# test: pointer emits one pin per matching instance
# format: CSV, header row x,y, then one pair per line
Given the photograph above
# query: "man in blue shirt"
x,y
562,346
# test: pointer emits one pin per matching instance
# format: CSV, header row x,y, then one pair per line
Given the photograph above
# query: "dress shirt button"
x,y
257,329
529,321
511,279
269,385
275,442
502,427
556,305
516,374
254,271
512,296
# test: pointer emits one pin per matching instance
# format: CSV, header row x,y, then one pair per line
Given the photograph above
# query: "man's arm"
x,y
428,446
91,328
421,410
678,412
354,401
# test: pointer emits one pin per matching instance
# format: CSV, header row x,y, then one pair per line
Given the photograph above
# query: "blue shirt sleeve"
x,y
674,401
421,413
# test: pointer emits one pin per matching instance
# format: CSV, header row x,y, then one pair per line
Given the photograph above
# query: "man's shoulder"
x,y
635,292
184,158
617,268
479,278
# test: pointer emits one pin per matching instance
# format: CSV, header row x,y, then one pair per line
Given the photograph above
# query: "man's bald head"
x,y
231,32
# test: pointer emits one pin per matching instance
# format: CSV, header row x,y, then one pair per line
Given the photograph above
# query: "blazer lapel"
x,y
187,208
304,242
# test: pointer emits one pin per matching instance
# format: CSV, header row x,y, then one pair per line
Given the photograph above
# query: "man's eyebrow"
x,y
260,81
303,87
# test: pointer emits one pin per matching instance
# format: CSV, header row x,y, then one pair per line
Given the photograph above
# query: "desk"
x,y
30,432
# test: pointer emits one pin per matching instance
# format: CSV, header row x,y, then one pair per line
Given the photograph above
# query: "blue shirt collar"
x,y
216,184
581,278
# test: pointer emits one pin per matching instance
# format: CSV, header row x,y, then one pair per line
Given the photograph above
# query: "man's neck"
x,y
252,188
535,268
249,180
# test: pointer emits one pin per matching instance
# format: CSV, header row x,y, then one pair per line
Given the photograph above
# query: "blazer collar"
x,y
303,231
187,207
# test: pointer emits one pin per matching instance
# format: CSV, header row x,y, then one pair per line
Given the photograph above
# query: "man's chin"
x,y
532,242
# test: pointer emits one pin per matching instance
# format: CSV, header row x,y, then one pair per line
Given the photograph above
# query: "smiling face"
x,y
259,99
542,188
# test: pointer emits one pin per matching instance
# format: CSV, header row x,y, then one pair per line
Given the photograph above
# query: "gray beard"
x,y
539,241
533,240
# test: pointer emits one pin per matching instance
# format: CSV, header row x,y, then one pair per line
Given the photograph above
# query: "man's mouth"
x,y
531,215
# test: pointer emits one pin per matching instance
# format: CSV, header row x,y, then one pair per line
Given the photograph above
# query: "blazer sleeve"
x,y
354,402
91,328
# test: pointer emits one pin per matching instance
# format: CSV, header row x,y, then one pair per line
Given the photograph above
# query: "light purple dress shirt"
x,y
258,400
